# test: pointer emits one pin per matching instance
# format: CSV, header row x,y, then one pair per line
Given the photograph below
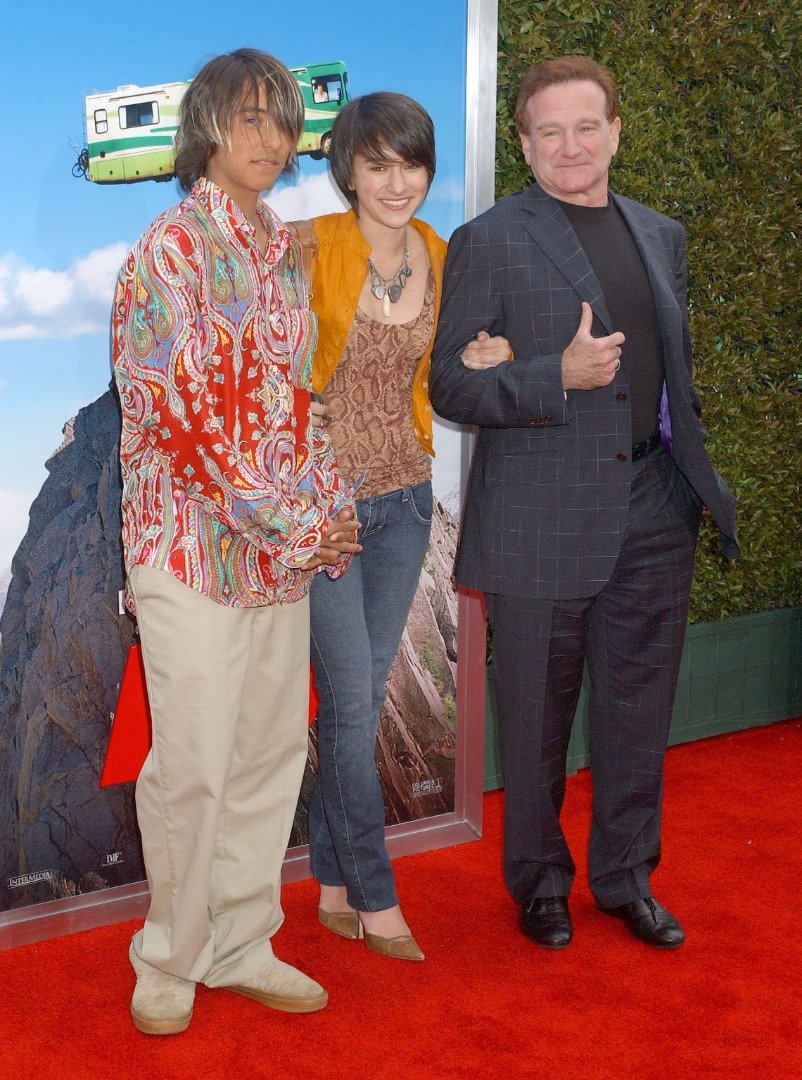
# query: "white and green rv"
x,y
325,91
130,131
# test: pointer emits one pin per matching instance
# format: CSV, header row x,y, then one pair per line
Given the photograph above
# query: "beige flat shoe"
x,y
403,947
282,987
344,923
162,1004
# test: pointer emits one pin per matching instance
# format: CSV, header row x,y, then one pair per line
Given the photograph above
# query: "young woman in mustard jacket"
x,y
376,275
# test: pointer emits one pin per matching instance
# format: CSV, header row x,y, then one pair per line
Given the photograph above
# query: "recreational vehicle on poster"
x,y
130,131
325,92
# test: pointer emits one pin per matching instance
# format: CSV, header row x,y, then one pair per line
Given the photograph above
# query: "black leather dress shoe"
x,y
650,922
546,921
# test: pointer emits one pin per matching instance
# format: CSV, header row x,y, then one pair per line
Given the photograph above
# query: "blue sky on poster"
x,y
63,238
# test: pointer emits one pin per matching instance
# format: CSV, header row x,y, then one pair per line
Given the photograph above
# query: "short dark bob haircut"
x,y
216,95
374,124
564,69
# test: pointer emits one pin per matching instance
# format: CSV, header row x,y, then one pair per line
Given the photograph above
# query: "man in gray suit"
x,y
587,485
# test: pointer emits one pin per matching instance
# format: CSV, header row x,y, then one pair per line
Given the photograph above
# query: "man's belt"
x,y
643,448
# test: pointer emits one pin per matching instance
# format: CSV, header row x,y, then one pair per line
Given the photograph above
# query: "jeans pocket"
x,y
421,502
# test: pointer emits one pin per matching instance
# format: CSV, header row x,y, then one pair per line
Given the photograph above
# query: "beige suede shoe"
x,y
403,947
162,1003
344,923
280,986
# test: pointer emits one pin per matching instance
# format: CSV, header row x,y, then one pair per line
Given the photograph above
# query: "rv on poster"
x,y
64,238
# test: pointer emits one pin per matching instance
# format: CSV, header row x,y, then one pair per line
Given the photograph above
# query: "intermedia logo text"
x,y
427,787
31,879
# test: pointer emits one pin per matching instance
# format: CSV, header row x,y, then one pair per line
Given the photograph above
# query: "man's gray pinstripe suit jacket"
x,y
548,494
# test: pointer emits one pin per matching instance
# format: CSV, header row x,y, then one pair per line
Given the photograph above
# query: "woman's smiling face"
x,y
388,190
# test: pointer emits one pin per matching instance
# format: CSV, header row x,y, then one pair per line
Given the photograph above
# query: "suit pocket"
x,y
539,467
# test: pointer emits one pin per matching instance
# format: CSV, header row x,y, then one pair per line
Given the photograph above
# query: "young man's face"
x,y
256,155
570,142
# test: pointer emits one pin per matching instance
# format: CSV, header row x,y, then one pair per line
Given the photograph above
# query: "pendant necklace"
x,y
389,290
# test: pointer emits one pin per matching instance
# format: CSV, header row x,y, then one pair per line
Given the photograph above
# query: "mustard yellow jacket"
x,y
339,255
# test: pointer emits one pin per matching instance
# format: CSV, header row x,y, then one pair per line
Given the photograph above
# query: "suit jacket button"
x,y
621,457
620,397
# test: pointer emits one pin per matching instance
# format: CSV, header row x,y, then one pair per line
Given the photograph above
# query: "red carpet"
x,y
486,1003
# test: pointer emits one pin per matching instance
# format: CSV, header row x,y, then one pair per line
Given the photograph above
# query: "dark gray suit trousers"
x,y
631,635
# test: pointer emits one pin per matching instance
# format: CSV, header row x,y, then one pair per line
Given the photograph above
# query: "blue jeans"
x,y
357,624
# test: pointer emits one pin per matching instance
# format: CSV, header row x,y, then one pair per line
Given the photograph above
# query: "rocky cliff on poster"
x,y
62,653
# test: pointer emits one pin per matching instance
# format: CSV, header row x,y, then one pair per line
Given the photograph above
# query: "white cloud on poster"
x,y
42,303
41,292
39,303
447,191
307,198
14,508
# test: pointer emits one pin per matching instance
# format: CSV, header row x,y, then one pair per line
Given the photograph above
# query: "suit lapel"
x,y
547,225
658,267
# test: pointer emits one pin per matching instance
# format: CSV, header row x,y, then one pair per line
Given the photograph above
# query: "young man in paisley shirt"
x,y
231,501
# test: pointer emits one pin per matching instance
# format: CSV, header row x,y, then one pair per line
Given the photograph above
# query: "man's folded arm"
x,y
517,393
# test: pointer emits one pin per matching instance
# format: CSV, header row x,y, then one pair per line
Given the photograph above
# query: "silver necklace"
x,y
389,290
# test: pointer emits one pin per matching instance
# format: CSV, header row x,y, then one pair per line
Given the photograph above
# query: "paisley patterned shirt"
x,y
226,485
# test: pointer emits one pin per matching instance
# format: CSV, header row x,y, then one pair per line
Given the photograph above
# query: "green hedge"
x,y
711,136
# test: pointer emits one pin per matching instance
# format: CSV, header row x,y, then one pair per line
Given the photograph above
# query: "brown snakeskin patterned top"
x,y
369,399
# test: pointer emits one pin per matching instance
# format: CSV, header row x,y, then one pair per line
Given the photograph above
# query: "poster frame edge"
x,y
38,922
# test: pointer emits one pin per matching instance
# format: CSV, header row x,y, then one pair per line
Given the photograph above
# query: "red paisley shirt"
x,y
226,485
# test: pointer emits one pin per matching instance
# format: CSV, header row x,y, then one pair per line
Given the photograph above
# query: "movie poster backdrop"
x,y
74,205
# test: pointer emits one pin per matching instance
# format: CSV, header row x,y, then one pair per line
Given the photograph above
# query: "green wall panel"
x,y
740,673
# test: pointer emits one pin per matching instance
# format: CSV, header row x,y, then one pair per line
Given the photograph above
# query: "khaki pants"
x,y
229,699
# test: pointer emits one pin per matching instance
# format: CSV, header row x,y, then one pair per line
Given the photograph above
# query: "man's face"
x,y
256,155
570,141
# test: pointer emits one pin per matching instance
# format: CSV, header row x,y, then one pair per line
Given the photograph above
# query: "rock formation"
x,y
62,650
61,657
5,581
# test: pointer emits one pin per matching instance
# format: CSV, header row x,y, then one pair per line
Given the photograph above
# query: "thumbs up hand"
x,y
590,362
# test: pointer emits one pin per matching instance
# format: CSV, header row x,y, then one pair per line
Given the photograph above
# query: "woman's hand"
x,y
486,352
318,412
340,539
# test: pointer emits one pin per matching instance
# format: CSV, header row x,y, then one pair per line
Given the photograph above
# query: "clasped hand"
x,y
340,539
319,413
486,352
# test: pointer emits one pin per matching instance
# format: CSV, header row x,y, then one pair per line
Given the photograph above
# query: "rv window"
x,y
142,114
327,88
101,122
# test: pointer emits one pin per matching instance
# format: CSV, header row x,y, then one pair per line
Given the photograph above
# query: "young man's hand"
x,y
340,539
